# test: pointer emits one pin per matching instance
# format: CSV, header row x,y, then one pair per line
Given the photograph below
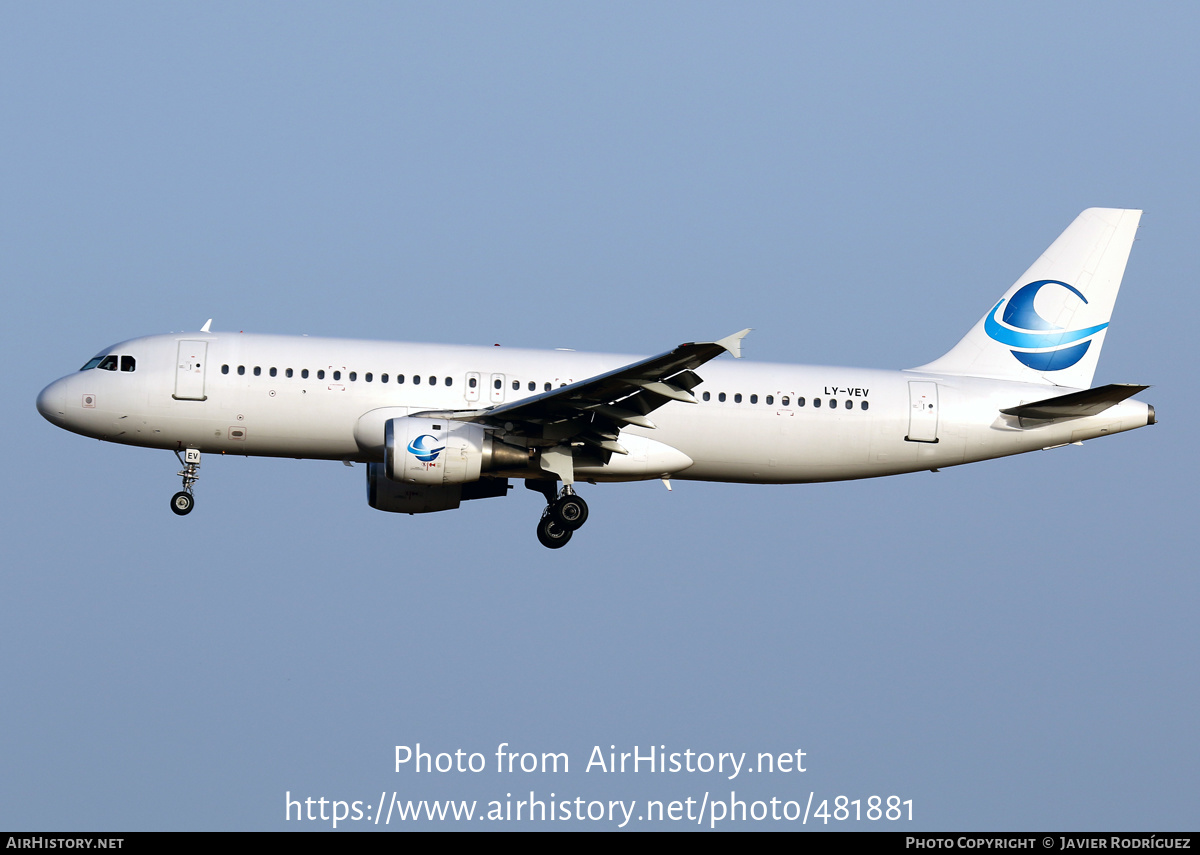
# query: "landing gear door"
x,y
922,411
189,371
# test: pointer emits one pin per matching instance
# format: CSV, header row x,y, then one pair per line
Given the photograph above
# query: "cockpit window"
x,y
111,362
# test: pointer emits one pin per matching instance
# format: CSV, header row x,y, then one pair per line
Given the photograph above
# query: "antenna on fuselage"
x,y
206,326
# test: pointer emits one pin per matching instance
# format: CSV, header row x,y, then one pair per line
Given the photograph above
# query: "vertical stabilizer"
x,y
1050,325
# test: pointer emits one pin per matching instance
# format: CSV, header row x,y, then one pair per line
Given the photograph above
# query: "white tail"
x,y
1050,325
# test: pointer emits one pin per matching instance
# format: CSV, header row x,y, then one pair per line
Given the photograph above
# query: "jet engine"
x,y
438,452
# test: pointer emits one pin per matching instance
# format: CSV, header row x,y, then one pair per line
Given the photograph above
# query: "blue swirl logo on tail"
x,y
425,448
1040,344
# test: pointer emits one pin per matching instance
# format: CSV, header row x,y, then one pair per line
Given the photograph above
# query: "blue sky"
x,y
1011,645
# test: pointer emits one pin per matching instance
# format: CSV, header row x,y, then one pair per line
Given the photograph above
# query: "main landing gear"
x,y
564,513
183,501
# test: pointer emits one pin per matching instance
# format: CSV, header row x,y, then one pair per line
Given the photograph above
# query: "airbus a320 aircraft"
x,y
437,425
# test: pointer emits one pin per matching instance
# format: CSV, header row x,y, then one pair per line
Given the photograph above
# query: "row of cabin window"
x,y
472,383
383,378
335,375
784,401
498,384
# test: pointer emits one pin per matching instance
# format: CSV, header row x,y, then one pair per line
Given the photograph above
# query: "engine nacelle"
x,y
384,494
432,451
437,452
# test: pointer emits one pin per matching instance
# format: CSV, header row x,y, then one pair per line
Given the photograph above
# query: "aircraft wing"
x,y
594,410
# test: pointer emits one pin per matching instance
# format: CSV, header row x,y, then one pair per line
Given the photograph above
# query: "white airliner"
x,y
437,425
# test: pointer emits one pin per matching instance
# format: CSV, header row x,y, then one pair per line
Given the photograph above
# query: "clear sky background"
x,y
1011,645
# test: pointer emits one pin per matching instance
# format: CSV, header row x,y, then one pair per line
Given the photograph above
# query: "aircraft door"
x,y
922,411
189,371
472,386
496,391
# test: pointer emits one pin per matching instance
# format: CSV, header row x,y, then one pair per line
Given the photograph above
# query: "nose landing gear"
x,y
183,501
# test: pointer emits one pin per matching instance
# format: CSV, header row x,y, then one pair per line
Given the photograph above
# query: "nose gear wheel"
x,y
183,501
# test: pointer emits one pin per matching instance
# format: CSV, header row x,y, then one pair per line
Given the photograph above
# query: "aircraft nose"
x,y
52,402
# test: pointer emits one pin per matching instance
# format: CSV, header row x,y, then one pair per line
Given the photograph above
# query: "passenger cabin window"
x,y
241,369
224,369
532,386
288,372
337,375
273,371
770,400
320,373
449,381
864,404
382,378
304,373
257,371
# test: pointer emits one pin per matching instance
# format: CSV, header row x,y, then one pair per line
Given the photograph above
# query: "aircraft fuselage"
x,y
302,397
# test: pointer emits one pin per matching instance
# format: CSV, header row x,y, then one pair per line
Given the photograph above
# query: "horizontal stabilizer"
x,y
1077,404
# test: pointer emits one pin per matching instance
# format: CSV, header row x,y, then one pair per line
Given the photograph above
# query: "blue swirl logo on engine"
x,y
425,448
1041,345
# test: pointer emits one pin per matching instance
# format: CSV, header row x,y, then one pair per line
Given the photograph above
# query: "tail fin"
x,y
1050,325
